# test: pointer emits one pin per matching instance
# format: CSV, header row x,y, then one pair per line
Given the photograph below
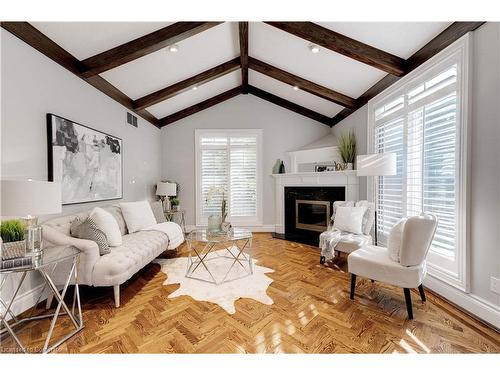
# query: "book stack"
x,y
16,263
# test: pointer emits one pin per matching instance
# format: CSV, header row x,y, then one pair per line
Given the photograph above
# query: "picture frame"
x,y
87,161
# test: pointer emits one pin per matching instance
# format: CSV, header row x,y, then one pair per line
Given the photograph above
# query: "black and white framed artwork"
x,y
87,162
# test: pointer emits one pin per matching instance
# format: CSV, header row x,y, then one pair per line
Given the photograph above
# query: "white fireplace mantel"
x,y
348,179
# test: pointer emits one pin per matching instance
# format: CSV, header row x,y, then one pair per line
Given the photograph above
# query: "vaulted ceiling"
x,y
133,63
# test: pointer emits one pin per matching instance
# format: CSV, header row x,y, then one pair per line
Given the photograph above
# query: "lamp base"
x,y
33,237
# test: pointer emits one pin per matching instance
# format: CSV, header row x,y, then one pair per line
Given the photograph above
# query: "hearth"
x,y
308,210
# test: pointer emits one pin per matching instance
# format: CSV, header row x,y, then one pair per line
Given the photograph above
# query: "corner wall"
x,y
484,216
33,85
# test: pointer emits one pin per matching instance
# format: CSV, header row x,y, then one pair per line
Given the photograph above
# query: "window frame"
x,y
454,272
201,221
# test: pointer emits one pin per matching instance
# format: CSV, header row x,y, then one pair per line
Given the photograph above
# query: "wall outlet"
x,y
495,285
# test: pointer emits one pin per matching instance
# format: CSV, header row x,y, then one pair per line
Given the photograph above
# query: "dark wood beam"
x,y
344,45
200,106
30,35
452,33
303,84
142,46
289,105
244,55
182,86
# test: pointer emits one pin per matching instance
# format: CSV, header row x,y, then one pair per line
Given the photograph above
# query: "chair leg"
x,y
116,292
353,285
408,303
422,293
322,260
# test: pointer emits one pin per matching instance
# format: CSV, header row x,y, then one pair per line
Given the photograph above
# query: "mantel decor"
x,y
87,162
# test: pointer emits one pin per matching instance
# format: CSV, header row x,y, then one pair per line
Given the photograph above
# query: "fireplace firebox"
x,y
308,211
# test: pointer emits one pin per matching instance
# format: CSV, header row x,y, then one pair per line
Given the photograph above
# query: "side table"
x,y
171,215
45,266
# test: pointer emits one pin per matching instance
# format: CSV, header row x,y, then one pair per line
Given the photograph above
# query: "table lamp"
x,y
381,164
29,198
166,189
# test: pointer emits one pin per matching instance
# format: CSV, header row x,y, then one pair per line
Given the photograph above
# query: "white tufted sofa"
x,y
113,269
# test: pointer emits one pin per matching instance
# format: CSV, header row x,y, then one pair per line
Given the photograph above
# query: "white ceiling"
x,y
221,43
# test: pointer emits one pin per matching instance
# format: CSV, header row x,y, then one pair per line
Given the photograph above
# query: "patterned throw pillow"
x,y
157,209
87,230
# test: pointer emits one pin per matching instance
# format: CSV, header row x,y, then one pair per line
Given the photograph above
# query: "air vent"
x,y
131,119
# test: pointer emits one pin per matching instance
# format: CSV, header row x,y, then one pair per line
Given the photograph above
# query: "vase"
x,y
276,167
282,167
350,166
214,223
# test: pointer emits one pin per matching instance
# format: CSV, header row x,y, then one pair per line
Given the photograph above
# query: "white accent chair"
x,y
350,242
373,262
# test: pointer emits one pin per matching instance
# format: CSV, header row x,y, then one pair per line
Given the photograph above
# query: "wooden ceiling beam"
x,y
289,105
142,46
187,84
303,84
452,33
344,45
243,26
33,37
200,106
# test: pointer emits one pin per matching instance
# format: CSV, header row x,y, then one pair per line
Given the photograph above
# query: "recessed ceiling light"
x,y
296,88
173,48
313,48
195,88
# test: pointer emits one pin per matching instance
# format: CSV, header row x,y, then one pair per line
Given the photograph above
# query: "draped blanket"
x,y
172,230
327,242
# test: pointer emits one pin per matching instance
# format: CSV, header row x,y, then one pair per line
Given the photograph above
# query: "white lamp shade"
x,y
23,198
383,164
166,189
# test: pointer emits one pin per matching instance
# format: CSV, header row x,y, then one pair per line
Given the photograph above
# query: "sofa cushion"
x,y
87,229
137,250
349,219
117,214
138,215
107,223
352,242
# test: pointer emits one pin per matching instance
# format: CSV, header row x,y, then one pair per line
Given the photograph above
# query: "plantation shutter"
x,y
229,160
421,128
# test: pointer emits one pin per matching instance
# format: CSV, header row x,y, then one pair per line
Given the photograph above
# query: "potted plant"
x,y
13,244
347,148
174,203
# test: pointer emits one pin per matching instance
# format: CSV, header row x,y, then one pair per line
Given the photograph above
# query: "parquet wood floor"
x,y
312,313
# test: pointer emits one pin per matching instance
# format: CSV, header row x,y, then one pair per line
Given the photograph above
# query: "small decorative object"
x,y
215,221
276,167
165,190
24,198
87,162
340,166
13,244
282,167
174,203
325,168
226,227
347,148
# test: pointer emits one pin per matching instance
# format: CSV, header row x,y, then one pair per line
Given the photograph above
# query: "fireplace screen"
x,y
312,215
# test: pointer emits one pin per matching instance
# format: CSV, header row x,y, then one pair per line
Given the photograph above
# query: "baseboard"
x,y
255,228
471,303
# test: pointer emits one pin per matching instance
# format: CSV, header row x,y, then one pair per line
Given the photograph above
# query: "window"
x,y
423,120
229,160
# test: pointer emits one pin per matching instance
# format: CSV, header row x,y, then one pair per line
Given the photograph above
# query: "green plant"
x,y
347,147
12,230
174,201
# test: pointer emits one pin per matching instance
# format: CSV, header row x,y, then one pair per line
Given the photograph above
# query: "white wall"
x,y
283,131
485,160
31,86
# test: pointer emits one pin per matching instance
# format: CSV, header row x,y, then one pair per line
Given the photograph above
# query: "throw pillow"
x,y
107,223
349,219
86,229
394,240
157,209
138,215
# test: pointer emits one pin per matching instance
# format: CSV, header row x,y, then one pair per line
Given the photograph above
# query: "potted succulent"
x,y
13,244
347,148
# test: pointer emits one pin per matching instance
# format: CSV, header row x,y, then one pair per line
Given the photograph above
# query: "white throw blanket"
x,y
173,232
327,242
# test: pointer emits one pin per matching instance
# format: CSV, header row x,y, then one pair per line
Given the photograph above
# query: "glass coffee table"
x,y
219,257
